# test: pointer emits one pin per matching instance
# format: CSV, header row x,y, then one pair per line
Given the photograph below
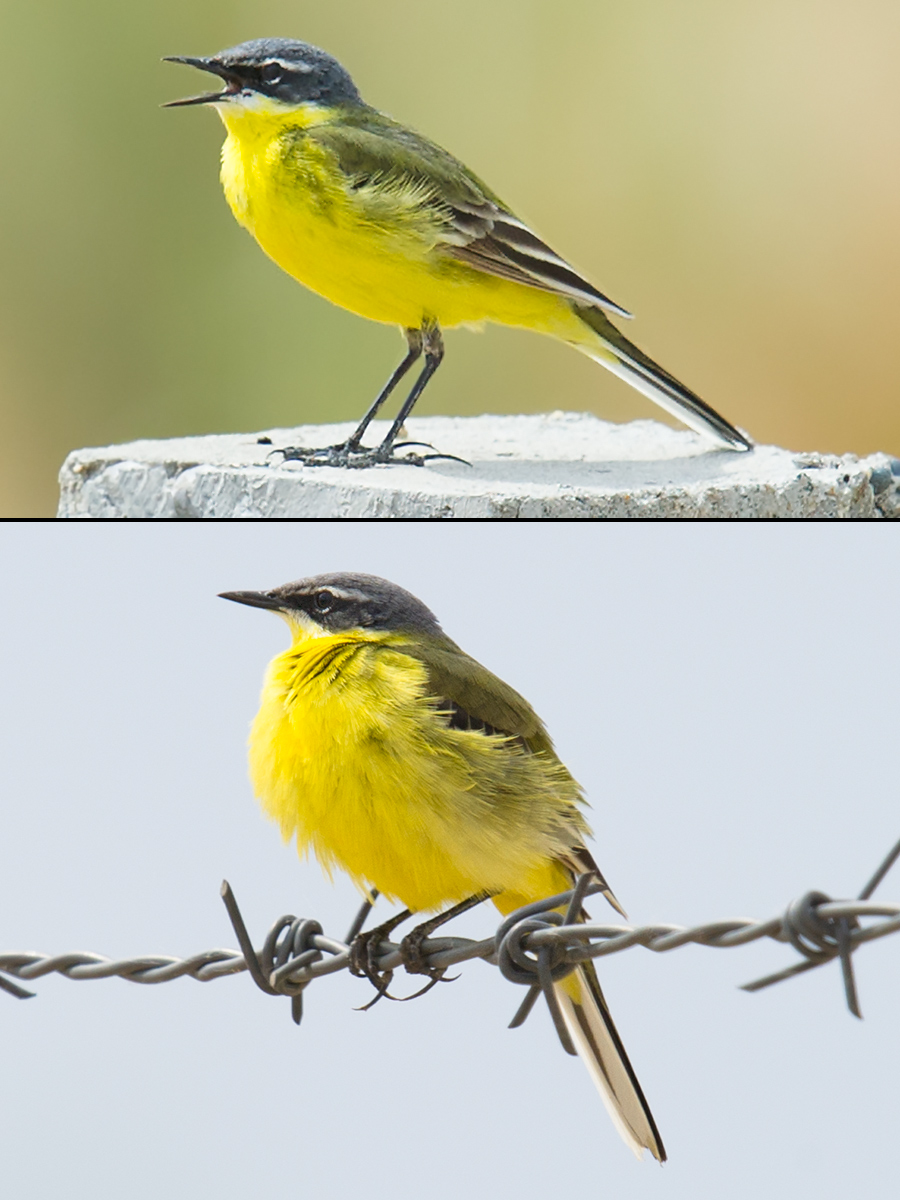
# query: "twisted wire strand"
x,y
573,943
535,946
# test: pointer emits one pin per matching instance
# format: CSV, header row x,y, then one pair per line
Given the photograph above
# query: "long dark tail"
x,y
624,359
598,1043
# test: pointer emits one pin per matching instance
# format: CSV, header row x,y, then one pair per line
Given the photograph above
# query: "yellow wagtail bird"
x,y
390,753
383,222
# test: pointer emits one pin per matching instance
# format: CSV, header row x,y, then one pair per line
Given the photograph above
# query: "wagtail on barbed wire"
x,y
390,753
380,220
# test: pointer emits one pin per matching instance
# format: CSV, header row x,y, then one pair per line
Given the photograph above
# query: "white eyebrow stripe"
x,y
340,593
303,68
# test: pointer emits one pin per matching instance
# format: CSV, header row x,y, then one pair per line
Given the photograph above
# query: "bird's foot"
x,y
416,962
352,456
364,954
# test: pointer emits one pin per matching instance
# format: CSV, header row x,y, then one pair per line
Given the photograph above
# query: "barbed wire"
x,y
534,946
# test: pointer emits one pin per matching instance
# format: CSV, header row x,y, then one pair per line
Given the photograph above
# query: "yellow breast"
x,y
348,755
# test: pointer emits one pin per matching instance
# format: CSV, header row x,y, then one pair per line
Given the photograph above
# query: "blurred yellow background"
x,y
729,171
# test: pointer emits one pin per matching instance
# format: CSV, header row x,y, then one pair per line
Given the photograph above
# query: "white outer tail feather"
x,y
589,1029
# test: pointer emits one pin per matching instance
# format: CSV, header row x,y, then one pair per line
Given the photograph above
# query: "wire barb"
x,y
869,890
361,917
821,938
240,931
289,944
20,993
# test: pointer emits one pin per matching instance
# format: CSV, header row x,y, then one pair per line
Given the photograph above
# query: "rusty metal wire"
x,y
533,946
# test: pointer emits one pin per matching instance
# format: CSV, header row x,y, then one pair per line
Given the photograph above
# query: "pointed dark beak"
x,y
254,599
214,68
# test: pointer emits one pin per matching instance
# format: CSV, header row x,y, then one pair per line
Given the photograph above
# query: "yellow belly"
x,y
347,755
321,235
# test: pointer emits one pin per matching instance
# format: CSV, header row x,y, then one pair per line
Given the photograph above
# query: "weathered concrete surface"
x,y
554,465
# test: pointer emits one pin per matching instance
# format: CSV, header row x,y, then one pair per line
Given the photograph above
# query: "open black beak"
x,y
214,68
254,599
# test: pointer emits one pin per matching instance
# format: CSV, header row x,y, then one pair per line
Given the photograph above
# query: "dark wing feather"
x,y
470,223
476,698
506,247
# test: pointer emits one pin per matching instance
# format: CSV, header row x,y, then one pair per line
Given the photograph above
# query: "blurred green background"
x,y
729,171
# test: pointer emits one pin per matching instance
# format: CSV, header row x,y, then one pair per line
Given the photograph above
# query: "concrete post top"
x,y
552,465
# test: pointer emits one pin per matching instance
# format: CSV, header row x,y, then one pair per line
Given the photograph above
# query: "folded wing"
x,y
381,158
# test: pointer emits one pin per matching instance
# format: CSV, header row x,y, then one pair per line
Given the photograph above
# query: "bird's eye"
x,y
324,601
272,73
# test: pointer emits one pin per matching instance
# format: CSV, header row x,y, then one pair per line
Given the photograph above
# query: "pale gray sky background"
x,y
729,699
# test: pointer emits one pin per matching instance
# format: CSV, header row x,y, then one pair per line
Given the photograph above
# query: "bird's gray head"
x,y
336,603
275,69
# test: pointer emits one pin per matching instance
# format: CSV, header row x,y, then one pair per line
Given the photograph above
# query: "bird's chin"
x,y
302,626
236,105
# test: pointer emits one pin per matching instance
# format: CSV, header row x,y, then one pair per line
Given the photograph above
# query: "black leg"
x,y
415,341
351,453
411,946
434,356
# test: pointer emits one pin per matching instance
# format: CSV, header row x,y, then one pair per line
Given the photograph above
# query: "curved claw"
x,y
381,993
384,994
427,988
290,453
421,459
446,458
